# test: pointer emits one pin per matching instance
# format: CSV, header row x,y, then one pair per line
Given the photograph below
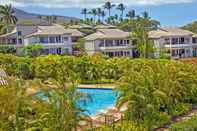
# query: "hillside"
x,y
23,16
191,27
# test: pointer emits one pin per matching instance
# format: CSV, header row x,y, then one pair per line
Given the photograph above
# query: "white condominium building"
x,y
111,42
177,42
55,38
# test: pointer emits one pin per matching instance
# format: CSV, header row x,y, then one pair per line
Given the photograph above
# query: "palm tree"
x,y
84,11
145,15
122,8
48,19
103,15
131,14
93,12
116,17
99,12
54,19
40,18
144,44
108,6
7,16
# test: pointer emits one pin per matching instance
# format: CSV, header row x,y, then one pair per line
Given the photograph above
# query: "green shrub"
x,y
33,50
8,49
181,108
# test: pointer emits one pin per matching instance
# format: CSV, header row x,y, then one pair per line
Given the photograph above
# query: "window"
x,y
121,42
46,51
101,43
51,39
13,41
44,40
59,51
109,43
20,41
194,40
117,42
65,38
182,40
19,33
127,41
58,39
175,40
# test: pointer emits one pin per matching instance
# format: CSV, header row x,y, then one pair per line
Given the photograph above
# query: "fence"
x,y
3,77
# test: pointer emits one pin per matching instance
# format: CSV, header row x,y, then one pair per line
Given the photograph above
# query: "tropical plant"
x,y
84,11
144,44
131,14
191,27
33,50
7,16
108,5
99,13
93,12
7,49
80,46
154,97
122,8
145,15
103,15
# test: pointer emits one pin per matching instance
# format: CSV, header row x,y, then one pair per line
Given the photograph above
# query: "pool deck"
x,y
32,91
92,86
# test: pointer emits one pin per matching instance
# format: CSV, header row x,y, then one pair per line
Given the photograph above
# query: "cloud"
x,y
87,3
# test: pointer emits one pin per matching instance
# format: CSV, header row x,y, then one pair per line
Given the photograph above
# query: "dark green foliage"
x,y
7,49
191,27
33,50
155,90
87,31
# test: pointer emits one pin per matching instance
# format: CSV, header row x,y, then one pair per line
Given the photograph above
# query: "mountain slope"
x,y
22,15
191,27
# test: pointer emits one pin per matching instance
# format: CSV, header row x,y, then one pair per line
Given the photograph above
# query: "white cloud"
x,y
88,3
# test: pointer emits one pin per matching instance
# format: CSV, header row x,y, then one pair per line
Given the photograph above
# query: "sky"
x,y
168,12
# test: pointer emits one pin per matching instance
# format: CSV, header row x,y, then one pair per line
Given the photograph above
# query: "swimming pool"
x,y
101,99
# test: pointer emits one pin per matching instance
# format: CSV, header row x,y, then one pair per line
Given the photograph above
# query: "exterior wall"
x,y
89,47
25,30
64,44
176,48
113,49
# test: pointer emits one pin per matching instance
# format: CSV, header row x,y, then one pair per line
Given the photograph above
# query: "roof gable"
x,y
108,34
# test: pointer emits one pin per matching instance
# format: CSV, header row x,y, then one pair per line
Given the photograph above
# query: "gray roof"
x,y
108,34
80,26
75,32
2,78
166,32
50,30
11,34
103,26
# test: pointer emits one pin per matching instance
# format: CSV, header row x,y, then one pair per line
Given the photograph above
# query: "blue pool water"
x,y
98,100
101,99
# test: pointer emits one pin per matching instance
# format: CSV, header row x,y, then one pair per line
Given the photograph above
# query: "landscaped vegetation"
x,y
154,90
186,125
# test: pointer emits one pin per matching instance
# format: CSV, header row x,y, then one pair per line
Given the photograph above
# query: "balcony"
x,y
177,45
115,47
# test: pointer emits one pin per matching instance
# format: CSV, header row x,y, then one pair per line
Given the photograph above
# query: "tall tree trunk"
x,y
122,15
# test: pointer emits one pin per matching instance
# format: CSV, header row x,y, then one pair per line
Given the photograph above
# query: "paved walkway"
x,y
106,86
174,120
